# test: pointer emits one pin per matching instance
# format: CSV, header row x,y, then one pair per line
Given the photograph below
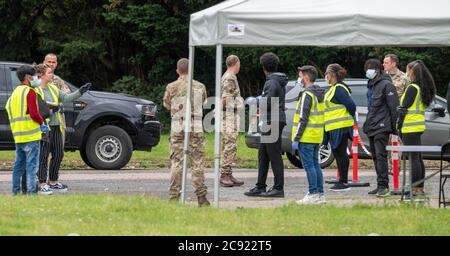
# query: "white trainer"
x,y
309,199
321,199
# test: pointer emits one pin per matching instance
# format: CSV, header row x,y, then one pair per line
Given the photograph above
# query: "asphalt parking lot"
x,y
156,182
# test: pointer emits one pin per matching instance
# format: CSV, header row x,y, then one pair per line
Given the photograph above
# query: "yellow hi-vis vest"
x,y
313,132
336,115
23,128
415,117
54,92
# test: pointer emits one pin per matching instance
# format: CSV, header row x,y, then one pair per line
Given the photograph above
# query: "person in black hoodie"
x,y
381,120
272,122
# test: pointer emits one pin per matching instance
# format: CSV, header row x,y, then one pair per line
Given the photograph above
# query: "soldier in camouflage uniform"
x,y
52,61
232,104
399,79
175,100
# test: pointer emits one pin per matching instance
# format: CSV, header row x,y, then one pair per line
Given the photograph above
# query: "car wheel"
x,y
295,160
109,147
84,157
326,157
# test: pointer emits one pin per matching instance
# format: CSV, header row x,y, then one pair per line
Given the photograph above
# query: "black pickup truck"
x,y
105,127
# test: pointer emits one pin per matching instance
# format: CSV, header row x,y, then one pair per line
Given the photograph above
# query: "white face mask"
x,y
371,73
326,79
36,82
301,82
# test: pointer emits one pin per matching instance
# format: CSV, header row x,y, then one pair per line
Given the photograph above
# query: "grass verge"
x,y
107,214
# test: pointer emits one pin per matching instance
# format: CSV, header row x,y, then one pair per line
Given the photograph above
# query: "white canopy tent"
x,y
309,23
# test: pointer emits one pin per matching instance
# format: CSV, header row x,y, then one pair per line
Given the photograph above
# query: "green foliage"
x,y
132,46
134,86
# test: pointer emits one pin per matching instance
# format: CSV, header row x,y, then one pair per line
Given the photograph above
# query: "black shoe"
x,y
58,187
255,191
340,187
373,192
273,192
417,196
383,192
407,197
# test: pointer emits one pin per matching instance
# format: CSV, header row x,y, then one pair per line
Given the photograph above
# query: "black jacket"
x,y
305,107
274,87
382,112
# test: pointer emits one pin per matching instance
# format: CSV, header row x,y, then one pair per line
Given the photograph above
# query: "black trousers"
x,y
55,146
378,145
416,161
340,153
271,153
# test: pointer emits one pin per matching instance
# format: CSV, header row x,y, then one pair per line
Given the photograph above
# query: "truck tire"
x,y
84,156
109,148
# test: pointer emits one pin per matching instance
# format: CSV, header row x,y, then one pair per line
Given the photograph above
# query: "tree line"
x,y
132,46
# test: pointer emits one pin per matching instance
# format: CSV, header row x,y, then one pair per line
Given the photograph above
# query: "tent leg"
x,y
217,122
187,123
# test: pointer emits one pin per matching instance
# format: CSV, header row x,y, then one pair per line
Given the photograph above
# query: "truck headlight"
x,y
147,110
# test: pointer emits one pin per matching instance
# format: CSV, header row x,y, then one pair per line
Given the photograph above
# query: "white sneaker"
x,y
45,190
309,199
321,199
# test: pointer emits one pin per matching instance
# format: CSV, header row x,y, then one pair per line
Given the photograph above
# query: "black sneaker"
x,y
407,197
373,192
255,191
273,192
417,196
383,192
58,187
340,187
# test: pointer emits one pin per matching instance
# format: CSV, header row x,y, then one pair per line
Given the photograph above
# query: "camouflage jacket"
x,y
399,79
231,92
59,83
175,100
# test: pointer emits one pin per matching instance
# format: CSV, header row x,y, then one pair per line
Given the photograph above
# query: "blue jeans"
x,y
309,154
27,162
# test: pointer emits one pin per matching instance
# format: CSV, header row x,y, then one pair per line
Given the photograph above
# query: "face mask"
x,y
327,80
35,82
300,82
371,73
408,79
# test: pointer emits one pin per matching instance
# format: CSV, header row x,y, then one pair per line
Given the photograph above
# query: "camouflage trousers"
x,y
229,149
196,158
230,132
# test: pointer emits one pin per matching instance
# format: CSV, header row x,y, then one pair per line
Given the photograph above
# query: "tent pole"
x,y
217,122
187,124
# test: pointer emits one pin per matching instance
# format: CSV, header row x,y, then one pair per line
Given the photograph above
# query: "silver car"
x,y
436,115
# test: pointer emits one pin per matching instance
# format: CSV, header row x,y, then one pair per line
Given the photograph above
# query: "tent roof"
x,y
323,23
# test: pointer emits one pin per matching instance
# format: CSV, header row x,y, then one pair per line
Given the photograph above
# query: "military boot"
x,y
173,198
202,201
225,180
235,181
